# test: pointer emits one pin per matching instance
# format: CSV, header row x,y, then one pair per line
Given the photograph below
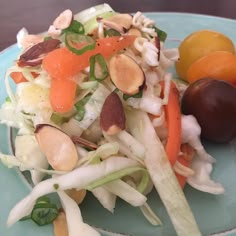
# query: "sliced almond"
x,y
57,146
60,225
83,142
63,20
135,32
112,117
77,195
34,55
126,74
119,22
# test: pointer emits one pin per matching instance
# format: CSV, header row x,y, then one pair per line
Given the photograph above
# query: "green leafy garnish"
x,y
162,35
47,38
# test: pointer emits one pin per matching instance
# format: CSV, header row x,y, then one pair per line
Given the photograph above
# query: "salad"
x,y
98,110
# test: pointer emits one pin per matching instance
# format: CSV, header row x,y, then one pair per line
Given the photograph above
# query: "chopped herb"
x,y
56,186
111,33
162,35
7,99
59,119
47,38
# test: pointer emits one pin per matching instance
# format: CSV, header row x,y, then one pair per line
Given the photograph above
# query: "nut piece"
x,y
77,195
119,22
60,225
30,39
63,20
126,74
35,54
57,146
135,32
112,117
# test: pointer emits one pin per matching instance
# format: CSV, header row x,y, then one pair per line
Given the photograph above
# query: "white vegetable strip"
x,y
190,134
164,178
103,152
123,148
11,161
74,220
150,215
77,178
182,170
201,180
134,145
126,192
31,155
94,106
106,198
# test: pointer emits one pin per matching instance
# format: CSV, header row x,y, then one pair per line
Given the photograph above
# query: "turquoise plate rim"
x,y
9,196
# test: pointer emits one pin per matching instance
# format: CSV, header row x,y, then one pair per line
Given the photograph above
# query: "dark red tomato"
x,y
213,103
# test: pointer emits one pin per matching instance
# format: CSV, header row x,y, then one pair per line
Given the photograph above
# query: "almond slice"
x,y
77,195
35,54
57,146
112,117
126,74
119,22
60,225
63,20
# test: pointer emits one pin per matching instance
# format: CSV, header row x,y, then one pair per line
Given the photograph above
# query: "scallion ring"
x,y
98,68
75,27
111,33
79,44
44,213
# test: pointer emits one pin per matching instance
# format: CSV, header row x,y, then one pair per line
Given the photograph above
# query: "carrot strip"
x,y
18,77
173,120
63,64
62,95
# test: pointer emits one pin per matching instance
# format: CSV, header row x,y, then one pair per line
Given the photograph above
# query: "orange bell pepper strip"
x,y
173,122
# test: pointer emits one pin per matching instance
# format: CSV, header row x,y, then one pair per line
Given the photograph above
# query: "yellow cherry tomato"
x,y
215,65
199,44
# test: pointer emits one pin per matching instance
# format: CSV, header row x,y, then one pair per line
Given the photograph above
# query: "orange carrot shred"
x,y
63,64
62,95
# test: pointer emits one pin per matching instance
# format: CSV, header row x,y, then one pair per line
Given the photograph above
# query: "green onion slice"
x,y
137,95
75,27
98,68
80,108
111,33
79,44
44,213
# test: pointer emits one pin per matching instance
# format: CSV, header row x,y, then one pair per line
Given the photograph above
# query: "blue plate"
x,y
216,215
